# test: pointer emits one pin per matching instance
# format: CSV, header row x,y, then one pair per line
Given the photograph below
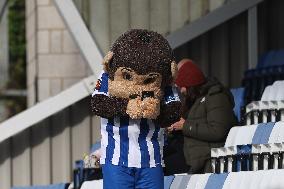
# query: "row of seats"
x,y
253,155
53,186
263,133
248,158
270,108
252,147
270,68
233,180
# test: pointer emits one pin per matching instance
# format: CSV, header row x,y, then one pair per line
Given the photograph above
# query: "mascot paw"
x,y
150,108
134,108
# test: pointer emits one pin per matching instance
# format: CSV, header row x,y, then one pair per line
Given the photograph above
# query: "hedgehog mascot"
x,y
135,98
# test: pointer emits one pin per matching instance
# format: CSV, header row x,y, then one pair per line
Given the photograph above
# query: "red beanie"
x,y
189,75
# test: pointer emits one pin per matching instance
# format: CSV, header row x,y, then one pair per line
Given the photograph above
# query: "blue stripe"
x,y
124,141
144,130
267,131
216,181
168,181
262,133
104,83
238,165
244,149
111,142
156,146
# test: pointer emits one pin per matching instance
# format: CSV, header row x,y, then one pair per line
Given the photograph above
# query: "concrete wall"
x,y
54,61
110,18
4,61
4,51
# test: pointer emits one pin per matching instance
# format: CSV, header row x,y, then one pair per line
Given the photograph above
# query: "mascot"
x,y
136,100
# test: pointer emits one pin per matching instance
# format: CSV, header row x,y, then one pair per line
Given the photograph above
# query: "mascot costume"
x,y
136,100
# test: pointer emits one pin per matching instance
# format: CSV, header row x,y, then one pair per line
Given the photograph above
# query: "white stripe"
x,y
192,182
97,92
116,136
175,93
202,181
161,140
104,140
150,144
275,136
134,155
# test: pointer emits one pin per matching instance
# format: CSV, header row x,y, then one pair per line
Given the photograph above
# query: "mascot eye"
x,y
127,76
151,79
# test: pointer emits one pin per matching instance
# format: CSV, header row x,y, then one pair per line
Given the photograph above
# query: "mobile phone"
x,y
146,94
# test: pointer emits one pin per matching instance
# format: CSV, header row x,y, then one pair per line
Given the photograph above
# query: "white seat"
x,y
98,184
277,133
231,136
233,180
245,179
193,181
240,135
202,181
266,93
280,91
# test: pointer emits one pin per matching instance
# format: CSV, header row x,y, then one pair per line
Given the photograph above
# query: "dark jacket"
x,y
208,122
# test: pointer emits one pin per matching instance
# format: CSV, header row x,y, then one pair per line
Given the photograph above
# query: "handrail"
x,y
46,108
3,6
208,22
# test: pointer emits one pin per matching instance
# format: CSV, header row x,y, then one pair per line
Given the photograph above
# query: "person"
x,y
136,100
207,115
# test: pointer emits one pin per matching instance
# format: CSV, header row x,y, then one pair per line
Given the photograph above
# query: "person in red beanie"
x,y
207,115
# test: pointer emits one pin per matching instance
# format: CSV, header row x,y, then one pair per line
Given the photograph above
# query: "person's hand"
x,y
170,129
177,126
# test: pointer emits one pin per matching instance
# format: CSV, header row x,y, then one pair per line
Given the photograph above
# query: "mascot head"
x,y
140,63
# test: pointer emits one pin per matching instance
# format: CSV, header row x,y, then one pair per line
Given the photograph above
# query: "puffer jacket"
x,y
207,125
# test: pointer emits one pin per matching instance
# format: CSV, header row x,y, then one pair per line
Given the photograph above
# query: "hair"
x,y
192,93
143,51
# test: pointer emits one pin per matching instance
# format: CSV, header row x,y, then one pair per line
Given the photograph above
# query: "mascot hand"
x,y
150,108
134,108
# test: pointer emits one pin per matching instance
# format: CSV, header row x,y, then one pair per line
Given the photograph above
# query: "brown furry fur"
x,y
140,62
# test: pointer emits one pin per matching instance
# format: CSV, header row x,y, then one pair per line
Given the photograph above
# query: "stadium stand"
x,y
53,186
271,106
233,180
270,68
253,155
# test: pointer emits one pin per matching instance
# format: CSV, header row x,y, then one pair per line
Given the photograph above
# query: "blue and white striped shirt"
x,y
132,142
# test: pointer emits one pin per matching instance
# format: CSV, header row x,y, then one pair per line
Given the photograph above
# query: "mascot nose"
x,y
146,94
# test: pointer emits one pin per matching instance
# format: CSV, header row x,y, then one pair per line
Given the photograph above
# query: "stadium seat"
x,y
253,147
53,186
269,69
238,95
270,108
262,179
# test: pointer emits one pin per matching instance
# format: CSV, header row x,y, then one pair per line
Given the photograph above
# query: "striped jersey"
x,y
131,142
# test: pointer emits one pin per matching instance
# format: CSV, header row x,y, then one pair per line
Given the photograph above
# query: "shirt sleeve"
x,y
101,85
171,94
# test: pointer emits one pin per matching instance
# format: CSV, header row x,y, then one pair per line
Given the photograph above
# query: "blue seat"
x,y
96,146
270,68
238,94
53,186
